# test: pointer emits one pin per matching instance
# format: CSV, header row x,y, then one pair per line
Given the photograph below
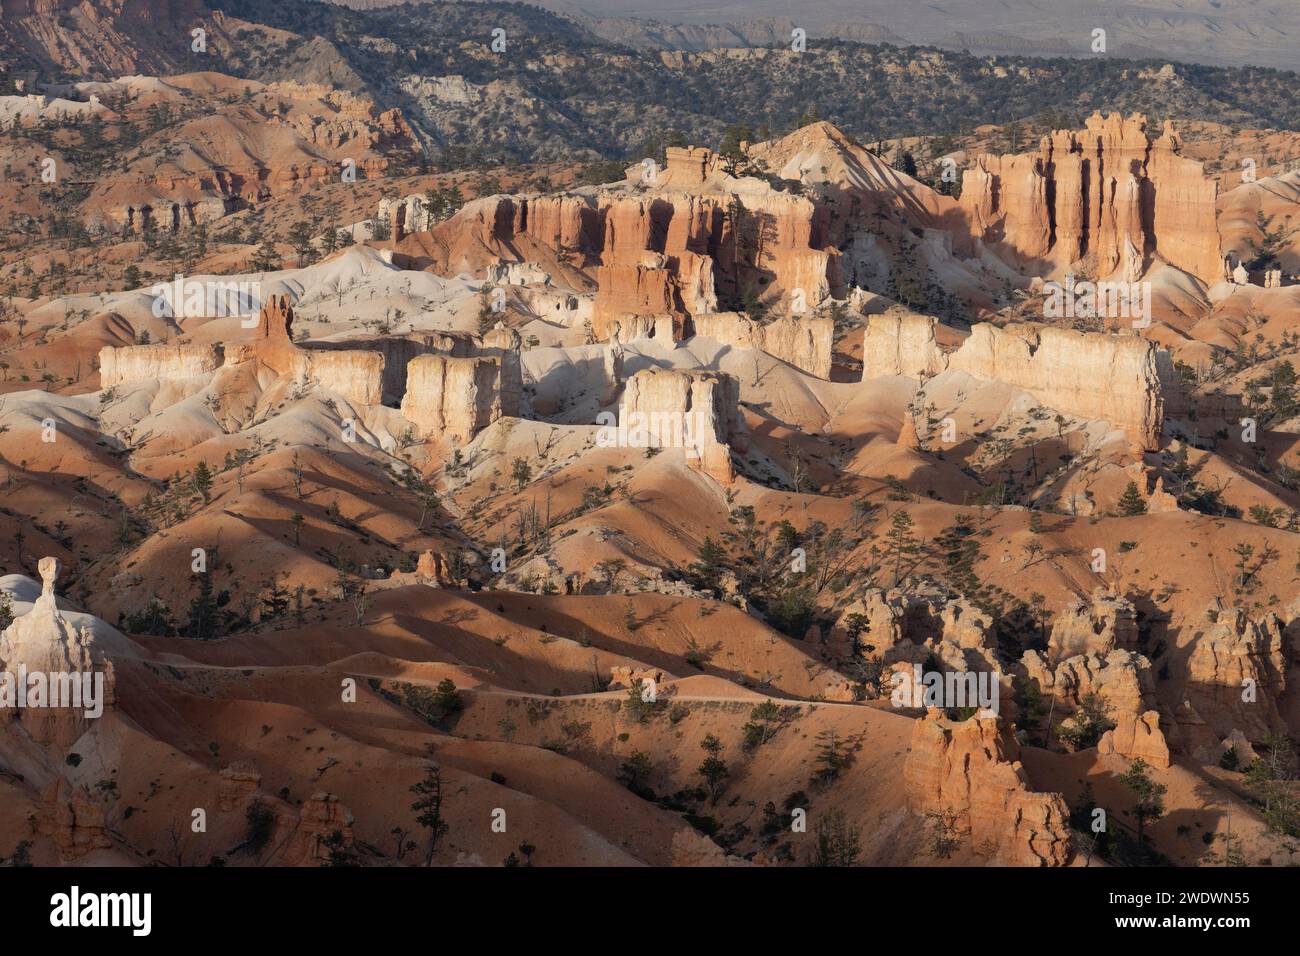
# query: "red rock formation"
x,y
1236,674
240,151
972,769
433,570
240,782
1098,626
275,320
644,288
1137,736
1108,198
272,343
355,374
108,37
689,165
73,819
323,828
669,248
1121,678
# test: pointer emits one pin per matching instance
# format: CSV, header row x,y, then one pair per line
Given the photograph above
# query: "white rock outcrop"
x,y
1092,375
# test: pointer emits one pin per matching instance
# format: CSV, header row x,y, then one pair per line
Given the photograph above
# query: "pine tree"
x,y
902,544
1150,803
706,573
487,318
428,808
266,258
830,758
276,600
201,481
203,611
714,770
1271,779
1131,503
839,843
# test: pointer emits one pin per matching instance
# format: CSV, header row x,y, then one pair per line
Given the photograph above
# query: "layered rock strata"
x,y
693,410
1110,197
806,342
1089,375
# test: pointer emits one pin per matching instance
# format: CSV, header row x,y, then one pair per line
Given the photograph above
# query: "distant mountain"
x,y
97,37
644,33
1218,32
560,91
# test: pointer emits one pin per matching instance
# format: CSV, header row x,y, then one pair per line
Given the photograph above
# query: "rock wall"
x,y
505,345
358,374
1097,626
136,363
696,410
355,374
901,345
971,768
1109,196
643,288
1090,375
689,236
806,342
1236,674
627,328
452,397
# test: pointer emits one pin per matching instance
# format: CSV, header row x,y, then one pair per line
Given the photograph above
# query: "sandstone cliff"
x,y
135,363
1091,375
901,345
697,411
1108,198
452,397
355,374
805,342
